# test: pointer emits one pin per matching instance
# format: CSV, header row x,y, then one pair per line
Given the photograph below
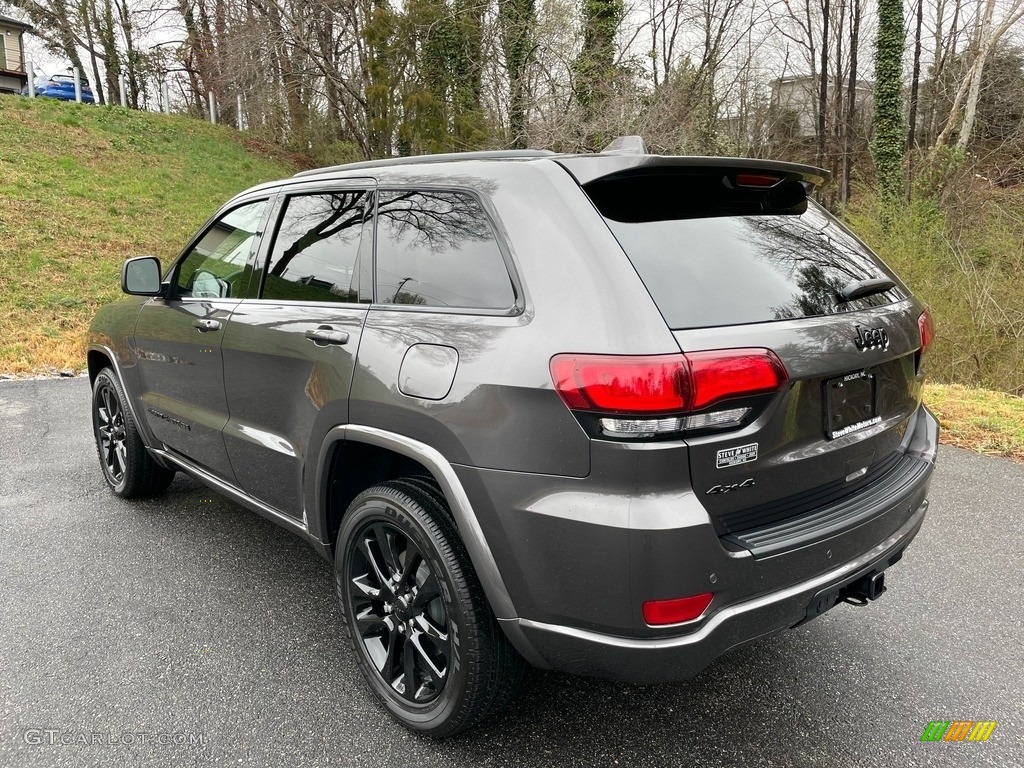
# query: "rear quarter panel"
x,y
578,293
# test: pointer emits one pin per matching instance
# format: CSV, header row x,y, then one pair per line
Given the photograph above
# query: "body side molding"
x,y
233,493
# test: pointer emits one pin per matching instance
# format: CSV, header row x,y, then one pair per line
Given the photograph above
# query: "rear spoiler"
x,y
635,188
588,168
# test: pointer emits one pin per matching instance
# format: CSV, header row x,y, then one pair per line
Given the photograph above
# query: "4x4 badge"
x,y
871,338
715,489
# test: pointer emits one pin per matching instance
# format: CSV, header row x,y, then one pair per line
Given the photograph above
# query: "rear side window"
x,y
438,249
316,251
724,269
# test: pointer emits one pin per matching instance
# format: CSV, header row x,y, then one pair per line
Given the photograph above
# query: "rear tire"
x,y
127,466
423,633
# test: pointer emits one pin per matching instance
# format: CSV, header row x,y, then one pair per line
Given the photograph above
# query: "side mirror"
x,y
141,276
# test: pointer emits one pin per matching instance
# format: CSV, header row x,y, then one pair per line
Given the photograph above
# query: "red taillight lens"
x,y
649,384
676,611
722,374
664,383
926,326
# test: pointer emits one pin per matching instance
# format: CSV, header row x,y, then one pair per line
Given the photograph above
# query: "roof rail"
x,y
451,157
626,145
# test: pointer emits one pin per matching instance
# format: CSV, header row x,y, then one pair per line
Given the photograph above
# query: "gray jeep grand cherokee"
x,y
612,414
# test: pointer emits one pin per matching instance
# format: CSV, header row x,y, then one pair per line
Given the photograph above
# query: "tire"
x,y
423,633
127,466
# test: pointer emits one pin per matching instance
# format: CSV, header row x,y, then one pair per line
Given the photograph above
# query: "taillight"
x,y
677,610
926,326
667,385
723,374
652,384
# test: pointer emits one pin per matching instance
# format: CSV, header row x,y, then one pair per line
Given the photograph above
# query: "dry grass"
x,y
978,419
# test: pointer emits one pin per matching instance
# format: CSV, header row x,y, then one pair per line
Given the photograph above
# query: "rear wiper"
x,y
858,289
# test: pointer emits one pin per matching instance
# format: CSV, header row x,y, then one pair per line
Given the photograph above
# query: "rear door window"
x,y
438,249
316,252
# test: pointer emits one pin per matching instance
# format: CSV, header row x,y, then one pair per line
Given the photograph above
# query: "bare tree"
x,y
987,35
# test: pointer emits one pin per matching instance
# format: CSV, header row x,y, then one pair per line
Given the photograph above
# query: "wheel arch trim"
x,y
443,472
141,425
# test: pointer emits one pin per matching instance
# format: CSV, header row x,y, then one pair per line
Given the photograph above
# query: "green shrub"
x,y
962,252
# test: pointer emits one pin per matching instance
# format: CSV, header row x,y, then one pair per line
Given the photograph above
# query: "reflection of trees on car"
x,y
338,215
442,233
819,256
434,221
437,248
316,251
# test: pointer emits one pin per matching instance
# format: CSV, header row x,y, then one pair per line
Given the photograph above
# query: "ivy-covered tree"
x,y
889,142
595,66
517,20
444,83
377,62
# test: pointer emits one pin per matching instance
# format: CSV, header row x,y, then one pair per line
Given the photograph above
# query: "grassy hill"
x,y
83,188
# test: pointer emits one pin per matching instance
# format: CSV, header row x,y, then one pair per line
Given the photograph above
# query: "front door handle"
x,y
325,335
206,324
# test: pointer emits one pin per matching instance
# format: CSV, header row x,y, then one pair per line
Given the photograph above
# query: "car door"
x,y
289,351
178,338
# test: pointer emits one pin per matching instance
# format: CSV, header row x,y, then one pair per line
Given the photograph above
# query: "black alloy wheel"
x,y
423,632
399,614
110,432
127,466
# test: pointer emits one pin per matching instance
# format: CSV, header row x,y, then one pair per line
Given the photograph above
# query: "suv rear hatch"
x,y
736,257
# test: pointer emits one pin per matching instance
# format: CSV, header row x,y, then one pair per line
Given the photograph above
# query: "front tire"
x,y
127,466
422,630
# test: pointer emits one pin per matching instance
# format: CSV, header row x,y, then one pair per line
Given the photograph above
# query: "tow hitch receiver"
x,y
860,592
866,588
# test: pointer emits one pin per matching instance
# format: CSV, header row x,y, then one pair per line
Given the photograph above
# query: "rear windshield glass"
x,y
729,270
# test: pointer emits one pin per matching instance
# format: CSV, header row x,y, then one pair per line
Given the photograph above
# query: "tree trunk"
x,y
594,66
915,87
111,55
131,54
87,16
915,80
977,70
517,19
823,83
851,104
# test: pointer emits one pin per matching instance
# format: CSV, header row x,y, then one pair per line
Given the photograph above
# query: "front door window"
x,y
218,265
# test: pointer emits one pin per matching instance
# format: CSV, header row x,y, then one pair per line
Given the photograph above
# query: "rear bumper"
x,y
580,556
666,659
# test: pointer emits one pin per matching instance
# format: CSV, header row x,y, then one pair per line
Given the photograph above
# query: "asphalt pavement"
x,y
188,631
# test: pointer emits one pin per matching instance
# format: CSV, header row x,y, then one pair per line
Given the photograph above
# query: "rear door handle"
x,y
206,324
326,335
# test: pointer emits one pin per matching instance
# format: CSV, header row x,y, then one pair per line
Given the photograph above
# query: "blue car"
x,y
62,87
